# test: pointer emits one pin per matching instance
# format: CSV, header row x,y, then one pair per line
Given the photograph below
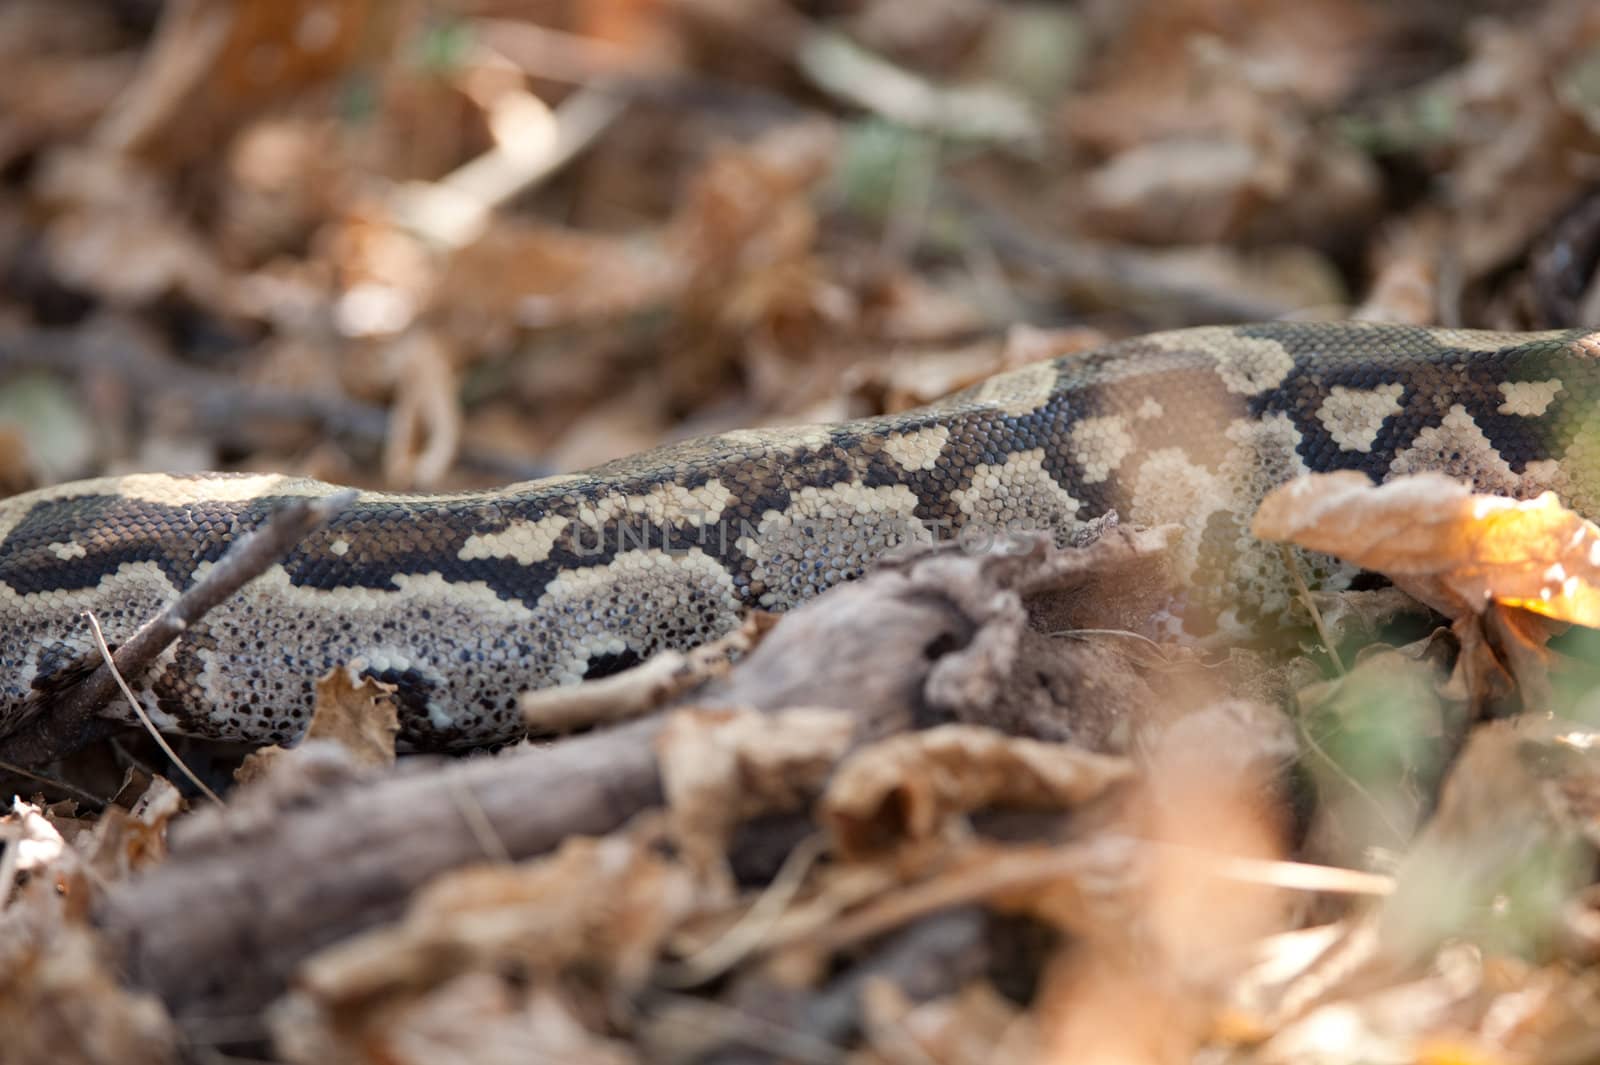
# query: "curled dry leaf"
x,y
1455,550
125,841
425,423
34,852
650,684
910,786
36,840
719,767
602,904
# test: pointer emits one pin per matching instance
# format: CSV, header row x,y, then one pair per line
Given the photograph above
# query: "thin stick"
x,y
748,932
455,210
478,822
1306,601
1008,872
139,710
51,782
62,723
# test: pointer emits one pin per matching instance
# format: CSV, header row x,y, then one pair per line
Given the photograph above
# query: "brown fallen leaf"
x,y
61,997
214,64
542,276
125,841
33,847
976,1025
719,767
1436,539
910,786
600,905
359,714
1518,125
636,691
62,1000
476,1017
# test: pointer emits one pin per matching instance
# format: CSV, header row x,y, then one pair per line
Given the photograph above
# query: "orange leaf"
x,y
1453,549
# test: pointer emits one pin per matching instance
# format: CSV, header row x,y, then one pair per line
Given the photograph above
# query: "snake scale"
x,y
464,600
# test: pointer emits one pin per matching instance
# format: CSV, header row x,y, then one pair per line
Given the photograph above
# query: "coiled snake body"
x,y
464,600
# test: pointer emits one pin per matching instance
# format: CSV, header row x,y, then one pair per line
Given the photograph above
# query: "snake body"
x,y
464,600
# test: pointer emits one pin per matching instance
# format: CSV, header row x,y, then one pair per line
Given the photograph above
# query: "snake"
x,y
461,601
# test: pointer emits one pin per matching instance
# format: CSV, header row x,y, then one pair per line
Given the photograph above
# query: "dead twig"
x,y
845,70
532,143
62,724
10,769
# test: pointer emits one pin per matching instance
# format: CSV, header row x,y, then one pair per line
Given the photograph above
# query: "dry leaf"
x,y
746,233
1208,113
1510,845
62,1001
118,236
477,1017
1512,127
357,713
603,904
720,767
1309,53
1436,539
538,276
127,841
978,1026
425,421
213,64
32,848
908,787
634,692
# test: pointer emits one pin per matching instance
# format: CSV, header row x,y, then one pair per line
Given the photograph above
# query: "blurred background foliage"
x,y
431,243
